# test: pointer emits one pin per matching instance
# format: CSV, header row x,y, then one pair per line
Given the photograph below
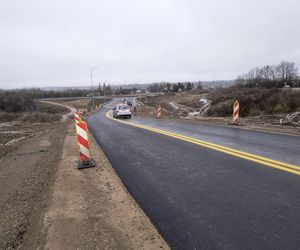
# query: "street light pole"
x,y
91,70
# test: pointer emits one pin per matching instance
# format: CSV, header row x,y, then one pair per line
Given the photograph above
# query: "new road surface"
x,y
207,187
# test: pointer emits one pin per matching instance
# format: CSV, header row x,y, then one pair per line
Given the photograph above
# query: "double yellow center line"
x,y
251,157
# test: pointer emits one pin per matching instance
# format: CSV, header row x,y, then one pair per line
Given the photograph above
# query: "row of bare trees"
x,y
285,73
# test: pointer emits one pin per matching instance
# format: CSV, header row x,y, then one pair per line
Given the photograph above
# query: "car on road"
x,y
122,110
129,103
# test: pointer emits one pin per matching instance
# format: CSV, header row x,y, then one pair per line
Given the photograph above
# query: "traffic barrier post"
x,y
158,111
78,117
236,110
84,146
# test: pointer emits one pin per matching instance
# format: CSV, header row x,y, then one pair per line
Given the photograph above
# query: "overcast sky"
x,y
56,42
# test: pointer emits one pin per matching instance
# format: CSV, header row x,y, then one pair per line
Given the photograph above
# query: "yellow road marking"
x,y
251,157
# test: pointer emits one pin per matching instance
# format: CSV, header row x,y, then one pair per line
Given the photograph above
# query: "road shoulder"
x,y
91,209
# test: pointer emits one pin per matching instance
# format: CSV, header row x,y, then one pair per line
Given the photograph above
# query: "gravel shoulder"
x,y
91,209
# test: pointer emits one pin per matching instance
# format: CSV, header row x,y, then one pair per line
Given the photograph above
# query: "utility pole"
x,y
91,71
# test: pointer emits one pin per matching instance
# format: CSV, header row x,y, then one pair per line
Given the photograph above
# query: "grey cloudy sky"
x,y
56,42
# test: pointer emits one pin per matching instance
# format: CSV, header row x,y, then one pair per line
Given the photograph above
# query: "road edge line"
x,y
240,154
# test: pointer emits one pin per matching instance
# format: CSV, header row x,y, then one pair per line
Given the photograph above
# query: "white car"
x,y
122,110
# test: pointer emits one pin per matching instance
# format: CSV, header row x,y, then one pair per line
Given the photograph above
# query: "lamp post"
x,y
91,70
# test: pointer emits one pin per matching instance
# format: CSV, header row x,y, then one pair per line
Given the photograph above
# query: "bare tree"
x,y
100,90
287,72
253,77
270,76
268,73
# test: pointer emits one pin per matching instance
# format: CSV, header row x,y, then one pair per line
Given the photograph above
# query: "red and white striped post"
x,y
84,145
78,117
158,111
236,110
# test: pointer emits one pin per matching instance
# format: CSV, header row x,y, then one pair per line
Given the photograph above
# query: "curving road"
x,y
66,116
203,186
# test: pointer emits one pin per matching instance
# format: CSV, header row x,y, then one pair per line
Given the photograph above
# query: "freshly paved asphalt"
x,y
199,198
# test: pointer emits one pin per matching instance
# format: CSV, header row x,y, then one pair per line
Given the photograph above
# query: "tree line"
x,y
22,100
106,89
269,76
174,87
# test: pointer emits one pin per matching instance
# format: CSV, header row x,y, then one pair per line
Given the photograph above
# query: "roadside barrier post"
x,y
236,110
84,146
158,111
78,117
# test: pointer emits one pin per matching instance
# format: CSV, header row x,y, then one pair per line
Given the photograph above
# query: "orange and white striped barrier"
x,y
78,117
236,110
84,145
158,111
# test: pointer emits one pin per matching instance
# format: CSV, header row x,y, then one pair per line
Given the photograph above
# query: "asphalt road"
x,y
201,198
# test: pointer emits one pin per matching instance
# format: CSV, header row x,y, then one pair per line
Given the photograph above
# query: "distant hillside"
x,y
143,86
124,86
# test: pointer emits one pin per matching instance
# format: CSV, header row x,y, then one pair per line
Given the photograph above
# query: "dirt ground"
x,y
91,209
14,134
47,203
173,105
27,170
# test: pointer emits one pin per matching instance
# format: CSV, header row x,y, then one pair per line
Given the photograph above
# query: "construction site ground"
x,y
28,168
46,202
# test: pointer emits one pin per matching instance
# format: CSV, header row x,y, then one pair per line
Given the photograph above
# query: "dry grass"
x,y
8,116
37,117
85,103
51,109
253,101
44,113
